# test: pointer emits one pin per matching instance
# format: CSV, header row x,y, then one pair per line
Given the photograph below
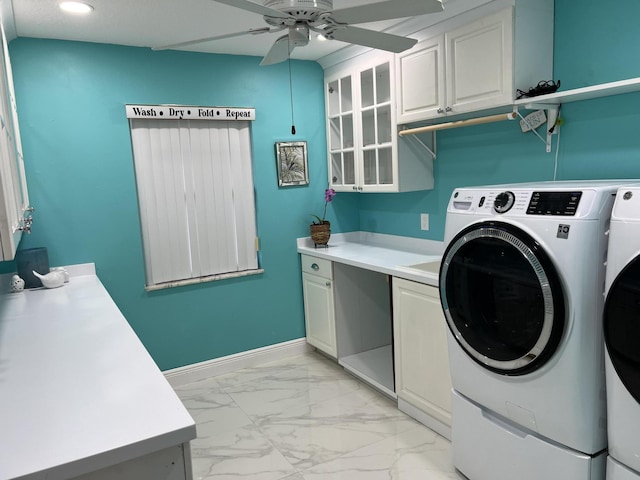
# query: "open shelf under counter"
x,y
375,367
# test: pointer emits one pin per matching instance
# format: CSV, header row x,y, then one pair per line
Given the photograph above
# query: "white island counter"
x,y
79,394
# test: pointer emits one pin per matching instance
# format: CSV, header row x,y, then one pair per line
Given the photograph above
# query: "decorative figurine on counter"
x,y
52,279
63,270
16,284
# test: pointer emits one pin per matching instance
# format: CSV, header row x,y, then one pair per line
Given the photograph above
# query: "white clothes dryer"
x,y
521,285
621,323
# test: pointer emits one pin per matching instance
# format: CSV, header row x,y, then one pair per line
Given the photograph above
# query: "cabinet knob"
x,y
315,266
328,284
448,109
355,188
440,110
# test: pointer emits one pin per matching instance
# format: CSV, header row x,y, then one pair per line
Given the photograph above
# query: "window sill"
x,y
210,278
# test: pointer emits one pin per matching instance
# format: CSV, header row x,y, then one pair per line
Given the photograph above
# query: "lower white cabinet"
x,y
393,338
423,382
173,463
319,310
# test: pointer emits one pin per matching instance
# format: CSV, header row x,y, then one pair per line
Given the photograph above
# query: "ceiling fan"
x,y
301,16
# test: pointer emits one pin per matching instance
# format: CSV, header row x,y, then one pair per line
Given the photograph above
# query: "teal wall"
x,y
79,166
600,138
77,149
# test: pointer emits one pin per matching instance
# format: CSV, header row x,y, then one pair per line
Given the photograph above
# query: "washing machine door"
x,y
502,298
622,326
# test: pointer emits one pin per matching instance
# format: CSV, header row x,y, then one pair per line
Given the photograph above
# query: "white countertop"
x,y
78,390
388,254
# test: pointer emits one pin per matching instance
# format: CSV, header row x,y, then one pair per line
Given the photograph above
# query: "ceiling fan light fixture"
x,y
299,36
77,8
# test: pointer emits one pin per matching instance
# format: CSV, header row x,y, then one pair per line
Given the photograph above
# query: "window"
x,y
195,194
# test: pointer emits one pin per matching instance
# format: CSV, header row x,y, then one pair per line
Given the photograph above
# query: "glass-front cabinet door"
x,y
360,128
376,123
365,153
339,95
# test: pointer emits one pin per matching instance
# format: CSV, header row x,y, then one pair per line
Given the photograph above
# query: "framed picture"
x,y
291,159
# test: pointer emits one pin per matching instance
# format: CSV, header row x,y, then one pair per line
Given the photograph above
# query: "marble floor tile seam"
x,y
275,368
389,453
195,396
358,463
271,427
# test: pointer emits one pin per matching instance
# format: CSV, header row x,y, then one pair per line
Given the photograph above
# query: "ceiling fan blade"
x,y
279,52
389,9
253,31
255,8
373,39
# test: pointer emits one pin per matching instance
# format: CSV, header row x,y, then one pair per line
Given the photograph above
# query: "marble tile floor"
x,y
305,418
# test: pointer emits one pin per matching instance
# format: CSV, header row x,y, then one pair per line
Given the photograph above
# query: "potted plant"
x,y
321,228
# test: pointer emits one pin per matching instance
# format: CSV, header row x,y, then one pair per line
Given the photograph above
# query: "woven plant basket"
x,y
320,233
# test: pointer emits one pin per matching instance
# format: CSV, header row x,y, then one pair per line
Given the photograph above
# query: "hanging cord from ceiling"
x,y
556,127
293,123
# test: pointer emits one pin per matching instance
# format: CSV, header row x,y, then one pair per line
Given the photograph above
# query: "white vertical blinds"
x,y
195,192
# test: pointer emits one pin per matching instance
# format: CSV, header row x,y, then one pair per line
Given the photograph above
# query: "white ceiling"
x,y
148,23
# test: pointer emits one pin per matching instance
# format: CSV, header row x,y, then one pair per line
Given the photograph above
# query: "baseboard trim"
x,y
230,363
425,419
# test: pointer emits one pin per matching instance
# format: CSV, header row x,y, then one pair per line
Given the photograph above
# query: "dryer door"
x,y
622,326
502,298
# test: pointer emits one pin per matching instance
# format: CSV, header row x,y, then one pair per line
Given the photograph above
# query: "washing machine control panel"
x,y
554,203
503,202
520,202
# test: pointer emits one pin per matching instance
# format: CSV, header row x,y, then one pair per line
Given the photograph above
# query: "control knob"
x,y
503,202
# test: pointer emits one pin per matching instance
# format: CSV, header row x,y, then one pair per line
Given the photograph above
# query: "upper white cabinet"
x,y
340,129
469,64
421,79
480,64
365,154
14,199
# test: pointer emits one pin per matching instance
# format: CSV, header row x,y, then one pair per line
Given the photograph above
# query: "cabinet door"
x,y
364,152
376,127
319,313
340,132
421,357
14,199
421,81
480,64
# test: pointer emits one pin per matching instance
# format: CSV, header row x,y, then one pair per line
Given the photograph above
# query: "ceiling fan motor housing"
x,y
301,9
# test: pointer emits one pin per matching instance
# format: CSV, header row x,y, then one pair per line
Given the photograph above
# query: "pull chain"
x,y
293,126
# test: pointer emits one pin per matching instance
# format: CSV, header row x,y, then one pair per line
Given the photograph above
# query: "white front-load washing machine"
x,y
521,285
621,323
